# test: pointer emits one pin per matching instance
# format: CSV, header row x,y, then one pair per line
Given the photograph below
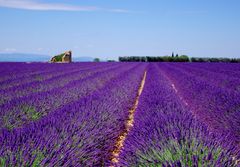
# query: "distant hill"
x,y
23,57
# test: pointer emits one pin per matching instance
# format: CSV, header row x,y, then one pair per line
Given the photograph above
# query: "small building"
x,y
62,58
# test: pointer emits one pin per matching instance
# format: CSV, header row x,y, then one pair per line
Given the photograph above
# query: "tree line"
x,y
172,58
224,60
182,58
176,58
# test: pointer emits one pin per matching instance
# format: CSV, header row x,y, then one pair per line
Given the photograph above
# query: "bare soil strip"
x,y
128,125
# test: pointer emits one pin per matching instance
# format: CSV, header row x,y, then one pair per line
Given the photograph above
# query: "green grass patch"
x,y
39,157
31,112
2,162
183,151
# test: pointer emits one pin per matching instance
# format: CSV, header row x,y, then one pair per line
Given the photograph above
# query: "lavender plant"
x,y
167,133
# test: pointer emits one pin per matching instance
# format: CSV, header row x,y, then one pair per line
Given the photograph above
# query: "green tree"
x,y
96,60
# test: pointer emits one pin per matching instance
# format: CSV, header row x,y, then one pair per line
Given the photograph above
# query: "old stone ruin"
x,y
62,58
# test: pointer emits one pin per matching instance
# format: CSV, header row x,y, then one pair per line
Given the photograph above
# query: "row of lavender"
x,y
55,76
219,75
81,131
166,131
34,105
13,72
222,68
213,103
74,117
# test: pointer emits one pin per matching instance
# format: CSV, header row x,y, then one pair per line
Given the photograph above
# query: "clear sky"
x,y
112,28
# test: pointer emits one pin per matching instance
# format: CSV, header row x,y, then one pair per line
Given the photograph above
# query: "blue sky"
x,y
112,28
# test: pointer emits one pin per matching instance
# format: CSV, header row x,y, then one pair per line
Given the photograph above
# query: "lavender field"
x,y
120,114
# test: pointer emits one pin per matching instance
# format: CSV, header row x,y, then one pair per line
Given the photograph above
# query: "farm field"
x,y
120,114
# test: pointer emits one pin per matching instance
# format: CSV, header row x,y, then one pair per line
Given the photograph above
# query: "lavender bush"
x,y
74,114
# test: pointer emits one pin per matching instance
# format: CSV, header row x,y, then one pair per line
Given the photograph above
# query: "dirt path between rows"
x,y
128,125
